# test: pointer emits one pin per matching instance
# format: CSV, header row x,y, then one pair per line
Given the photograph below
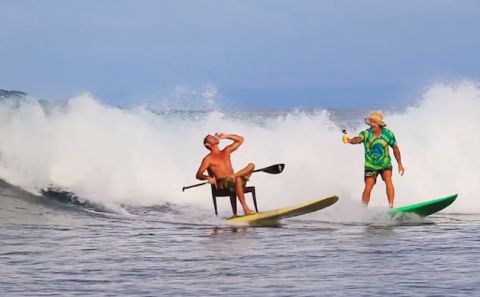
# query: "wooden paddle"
x,y
273,169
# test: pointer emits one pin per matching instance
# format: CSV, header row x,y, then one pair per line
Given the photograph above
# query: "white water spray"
x,y
140,158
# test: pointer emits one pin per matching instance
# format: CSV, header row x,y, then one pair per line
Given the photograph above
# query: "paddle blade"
x,y
274,169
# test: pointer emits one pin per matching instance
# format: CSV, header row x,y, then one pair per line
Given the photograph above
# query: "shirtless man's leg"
x,y
239,176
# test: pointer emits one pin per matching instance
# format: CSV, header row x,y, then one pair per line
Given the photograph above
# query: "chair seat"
x,y
226,193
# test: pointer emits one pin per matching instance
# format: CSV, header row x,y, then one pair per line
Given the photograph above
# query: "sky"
x,y
248,55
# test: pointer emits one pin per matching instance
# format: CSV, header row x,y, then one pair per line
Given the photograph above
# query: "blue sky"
x,y
261,54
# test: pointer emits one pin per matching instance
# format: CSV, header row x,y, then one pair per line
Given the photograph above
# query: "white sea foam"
x,y
141,158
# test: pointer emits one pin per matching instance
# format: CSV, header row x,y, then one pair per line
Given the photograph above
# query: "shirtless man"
x,y
219,164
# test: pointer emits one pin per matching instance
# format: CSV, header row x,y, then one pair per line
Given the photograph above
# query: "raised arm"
x,y
200,172
355,140
237,141
398,157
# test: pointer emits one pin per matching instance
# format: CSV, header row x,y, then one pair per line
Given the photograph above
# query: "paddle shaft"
x,y
273,169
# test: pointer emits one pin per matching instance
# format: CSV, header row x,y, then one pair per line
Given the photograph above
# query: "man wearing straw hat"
x,y
376,141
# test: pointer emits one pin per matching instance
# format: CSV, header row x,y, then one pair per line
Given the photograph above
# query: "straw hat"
x,y
377,117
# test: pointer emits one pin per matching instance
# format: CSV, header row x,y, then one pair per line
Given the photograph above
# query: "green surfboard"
x,y
426,208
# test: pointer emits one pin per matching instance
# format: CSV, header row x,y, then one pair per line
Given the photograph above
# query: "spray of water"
x,y
137,157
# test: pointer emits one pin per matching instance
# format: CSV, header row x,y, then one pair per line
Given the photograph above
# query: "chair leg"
x,y
254,200
215,204
233,202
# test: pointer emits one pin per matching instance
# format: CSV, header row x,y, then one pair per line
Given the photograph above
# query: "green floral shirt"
x,y
377,156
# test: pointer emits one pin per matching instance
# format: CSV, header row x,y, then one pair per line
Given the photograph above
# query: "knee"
x,y
368,189
370,182
387,180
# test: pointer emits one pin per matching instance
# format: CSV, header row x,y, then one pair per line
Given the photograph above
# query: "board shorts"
x,y
228,184
375,173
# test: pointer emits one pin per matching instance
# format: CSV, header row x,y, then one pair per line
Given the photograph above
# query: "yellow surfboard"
x,y
273,216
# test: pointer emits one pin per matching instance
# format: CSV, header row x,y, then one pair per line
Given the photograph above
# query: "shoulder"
x,y
390,137
207,158
365,132
388,132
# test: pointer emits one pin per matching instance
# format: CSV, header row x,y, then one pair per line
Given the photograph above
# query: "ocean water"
x,y
129,230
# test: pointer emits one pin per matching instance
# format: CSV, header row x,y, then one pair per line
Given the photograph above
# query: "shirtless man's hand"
x,y
221,135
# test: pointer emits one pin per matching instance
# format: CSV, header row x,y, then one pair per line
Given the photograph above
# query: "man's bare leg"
x,y
387,178
241,195
369,183
244,173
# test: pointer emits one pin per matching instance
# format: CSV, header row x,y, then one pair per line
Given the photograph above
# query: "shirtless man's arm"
x,y
237,141
201,170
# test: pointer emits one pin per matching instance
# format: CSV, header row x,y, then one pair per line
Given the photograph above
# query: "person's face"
x,y
375,126
210,140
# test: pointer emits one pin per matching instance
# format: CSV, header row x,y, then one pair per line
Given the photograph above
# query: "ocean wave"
x,y
141,158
